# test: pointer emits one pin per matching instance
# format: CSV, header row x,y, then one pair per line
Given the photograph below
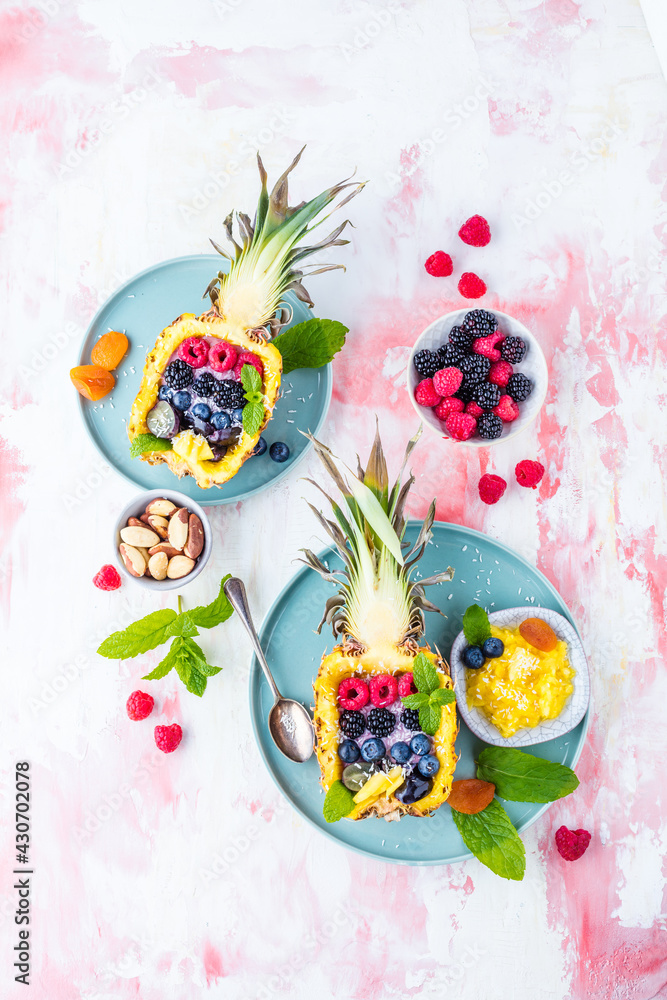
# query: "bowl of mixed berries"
x,y
477,376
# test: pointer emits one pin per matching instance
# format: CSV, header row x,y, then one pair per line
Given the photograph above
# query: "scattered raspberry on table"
x,y
167,738
439,264
471,286
491,488
572,844
108,578
476,232
139,705
529,473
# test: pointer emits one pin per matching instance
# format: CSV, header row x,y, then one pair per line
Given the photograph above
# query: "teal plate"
x,y
486,572
141,308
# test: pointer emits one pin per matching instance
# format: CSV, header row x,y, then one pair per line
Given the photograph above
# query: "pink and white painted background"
x,y
128,133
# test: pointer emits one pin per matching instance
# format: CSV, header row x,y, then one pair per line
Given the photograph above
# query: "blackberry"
x,y
178,375
519,387
475,368
381,722
480,323
461,337
451,354
513,349
489,426
229,394
205,385
486,395
352,723
464,393
410,719
427,363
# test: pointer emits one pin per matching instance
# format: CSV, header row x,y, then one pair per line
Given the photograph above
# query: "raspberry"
x,y
439,264
475,232
248,358
139,705
222,356
506,409
406,685
572,844
450,404
487,346
471,286
425,393
500,372
194,351
108,578
491,488
384,689
519,386
473,409
489,426
528,473
460,426
513,349
167,738
447,381
486,395
352,693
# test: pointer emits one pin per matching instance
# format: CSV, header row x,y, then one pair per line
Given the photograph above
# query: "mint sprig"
x,y
493,839
184,654
338,802
253,411
523,777
148,442
431,698
476,626
310,344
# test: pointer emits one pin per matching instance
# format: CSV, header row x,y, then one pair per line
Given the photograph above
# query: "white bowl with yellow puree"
x,y
526,696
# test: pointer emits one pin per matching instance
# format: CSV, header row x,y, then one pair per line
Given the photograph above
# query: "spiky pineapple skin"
x,y
206,473
334,668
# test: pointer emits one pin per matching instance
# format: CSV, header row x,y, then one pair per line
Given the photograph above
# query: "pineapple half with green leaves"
x,y
232,341
377,617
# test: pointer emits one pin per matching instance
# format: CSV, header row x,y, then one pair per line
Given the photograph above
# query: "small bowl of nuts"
x,y
162,540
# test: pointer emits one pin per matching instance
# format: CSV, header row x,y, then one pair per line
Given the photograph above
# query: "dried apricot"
x,y
471,795
539,634
109,350
92,381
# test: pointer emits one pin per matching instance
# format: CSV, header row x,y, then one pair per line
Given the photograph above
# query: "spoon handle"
x,y
236,595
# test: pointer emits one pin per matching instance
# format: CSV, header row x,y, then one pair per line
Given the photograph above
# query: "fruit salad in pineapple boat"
x,y
385,711
211,382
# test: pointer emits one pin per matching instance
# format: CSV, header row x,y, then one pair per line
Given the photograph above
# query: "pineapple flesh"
x,y
377,616
248,309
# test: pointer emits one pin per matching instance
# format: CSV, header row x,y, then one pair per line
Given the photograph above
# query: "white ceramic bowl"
x,y
575,707
137,507
534,365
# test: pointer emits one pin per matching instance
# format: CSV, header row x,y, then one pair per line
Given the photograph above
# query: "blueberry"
x,y
473,657
260,447
237,415
201,411
428,765
165,393
372,749
181,400
279,451
414,788
493,647
221,420
400,752
348,751
420,744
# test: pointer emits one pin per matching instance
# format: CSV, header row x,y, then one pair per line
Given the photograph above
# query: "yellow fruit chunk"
x,y
109,350
539,634
379,784
192,447
92,381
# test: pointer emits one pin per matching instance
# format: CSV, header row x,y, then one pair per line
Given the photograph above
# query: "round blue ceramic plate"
x,y
486,572
142,308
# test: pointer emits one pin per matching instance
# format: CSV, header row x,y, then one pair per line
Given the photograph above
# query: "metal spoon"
x,y
290,725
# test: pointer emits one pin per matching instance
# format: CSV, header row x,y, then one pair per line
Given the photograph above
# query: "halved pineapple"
x,y
248,309
379,617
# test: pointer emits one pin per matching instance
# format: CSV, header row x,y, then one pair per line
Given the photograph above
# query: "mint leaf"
x,y
148,442
522,777
492,837
251,380
338,802
443,696
415,700
190,663
310,344
140,636
253,416
476,626
209,615
162,669
429,718
183,625
424,673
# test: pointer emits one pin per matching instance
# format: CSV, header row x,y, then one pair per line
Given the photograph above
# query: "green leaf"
x,y
253,416
183,625
443,696
415,700
196,683
491,836
522,777
209,615
190,662
338,802
140,636
310,344
251,380
476,626
429,718
162,669
424,673
148,442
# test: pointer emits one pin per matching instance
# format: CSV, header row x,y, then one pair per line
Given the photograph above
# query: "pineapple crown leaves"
x,y
267,262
